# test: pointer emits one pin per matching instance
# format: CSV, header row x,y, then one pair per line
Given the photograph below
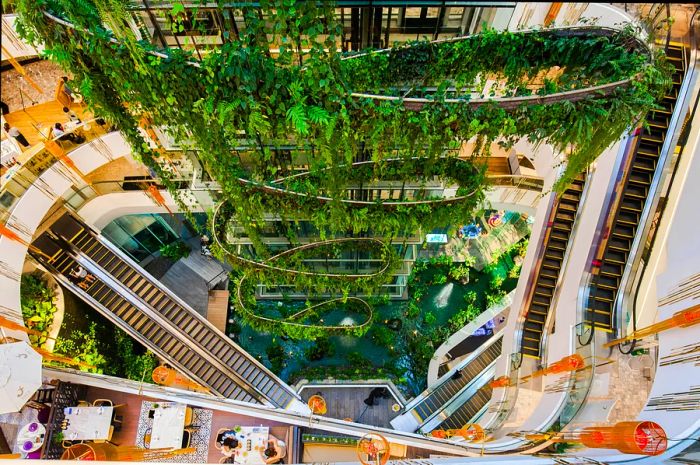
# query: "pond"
x,y
398,327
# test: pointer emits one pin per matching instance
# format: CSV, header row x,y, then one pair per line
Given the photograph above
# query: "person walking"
x,y
14,132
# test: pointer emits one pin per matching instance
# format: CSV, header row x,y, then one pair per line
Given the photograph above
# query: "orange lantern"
x,y
629,437
569,363
373,449
503,381
471,432
168,377
317,404
682,319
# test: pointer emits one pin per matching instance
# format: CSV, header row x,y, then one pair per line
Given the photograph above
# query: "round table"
x,y
31,437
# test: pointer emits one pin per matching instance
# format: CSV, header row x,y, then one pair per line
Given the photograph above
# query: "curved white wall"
x,y
30,209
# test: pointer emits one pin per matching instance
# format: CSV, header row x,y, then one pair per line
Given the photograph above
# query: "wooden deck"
x,y
346,402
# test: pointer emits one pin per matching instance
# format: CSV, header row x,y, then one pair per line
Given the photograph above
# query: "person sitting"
x,y
60,133
71,115
229,444
275,451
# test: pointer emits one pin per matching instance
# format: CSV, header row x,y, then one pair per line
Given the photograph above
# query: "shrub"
x,y
83,347
38,309
321,349
275,355
459,272
175,251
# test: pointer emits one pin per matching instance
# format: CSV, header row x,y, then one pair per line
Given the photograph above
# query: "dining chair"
x,y
102,403
106,403
218,445
189,415
147,439
109,436
186,438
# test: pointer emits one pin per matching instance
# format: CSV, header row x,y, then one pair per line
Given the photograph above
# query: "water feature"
x,y
442,297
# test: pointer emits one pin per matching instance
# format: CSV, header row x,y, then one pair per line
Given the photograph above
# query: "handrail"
x,y
447,376
665,168
25,174
549,319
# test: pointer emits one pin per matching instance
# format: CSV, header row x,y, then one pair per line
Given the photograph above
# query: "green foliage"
x,y
128,363
321,349
83,347
38,308
175,251
459,272
276,357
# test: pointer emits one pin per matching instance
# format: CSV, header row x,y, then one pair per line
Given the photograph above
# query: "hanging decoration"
x,y
166,376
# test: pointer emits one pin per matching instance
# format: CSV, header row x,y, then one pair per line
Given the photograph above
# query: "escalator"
x,y
151,314
450,386
561,226
468,410
637,185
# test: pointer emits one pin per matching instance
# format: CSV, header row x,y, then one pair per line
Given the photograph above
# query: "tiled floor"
x,y
200,436
44,73
10,424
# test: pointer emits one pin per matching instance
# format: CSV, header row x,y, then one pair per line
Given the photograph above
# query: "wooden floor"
x,y
218,308
347,402
40,117
131,407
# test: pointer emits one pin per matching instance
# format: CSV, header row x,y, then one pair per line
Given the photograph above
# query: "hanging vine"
x,y
253,116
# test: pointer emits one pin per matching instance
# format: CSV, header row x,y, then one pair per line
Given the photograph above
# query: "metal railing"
x,y
18,179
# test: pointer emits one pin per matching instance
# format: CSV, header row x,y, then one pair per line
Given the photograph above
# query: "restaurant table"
x,y
252,441
30,437
168,425
87,423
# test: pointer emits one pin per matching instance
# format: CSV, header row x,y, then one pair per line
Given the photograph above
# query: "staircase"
x,y
150,313
606,285
548,275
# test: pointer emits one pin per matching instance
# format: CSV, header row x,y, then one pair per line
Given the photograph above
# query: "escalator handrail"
x,y
180,302
444,379
634,268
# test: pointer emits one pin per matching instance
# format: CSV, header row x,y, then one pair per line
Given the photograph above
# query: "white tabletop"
x,y
168,425
87,423
26,435
252,441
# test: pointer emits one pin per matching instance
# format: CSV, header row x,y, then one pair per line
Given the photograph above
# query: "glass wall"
x,y
140,236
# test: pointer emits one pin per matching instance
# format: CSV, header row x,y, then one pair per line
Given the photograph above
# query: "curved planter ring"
x,y
357,203
511,103
288,321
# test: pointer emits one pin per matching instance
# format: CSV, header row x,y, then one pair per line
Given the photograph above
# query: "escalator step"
x,y
551,264
535,317
532,326
619,243
624,231
554,255
635,190
564,216
556,244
